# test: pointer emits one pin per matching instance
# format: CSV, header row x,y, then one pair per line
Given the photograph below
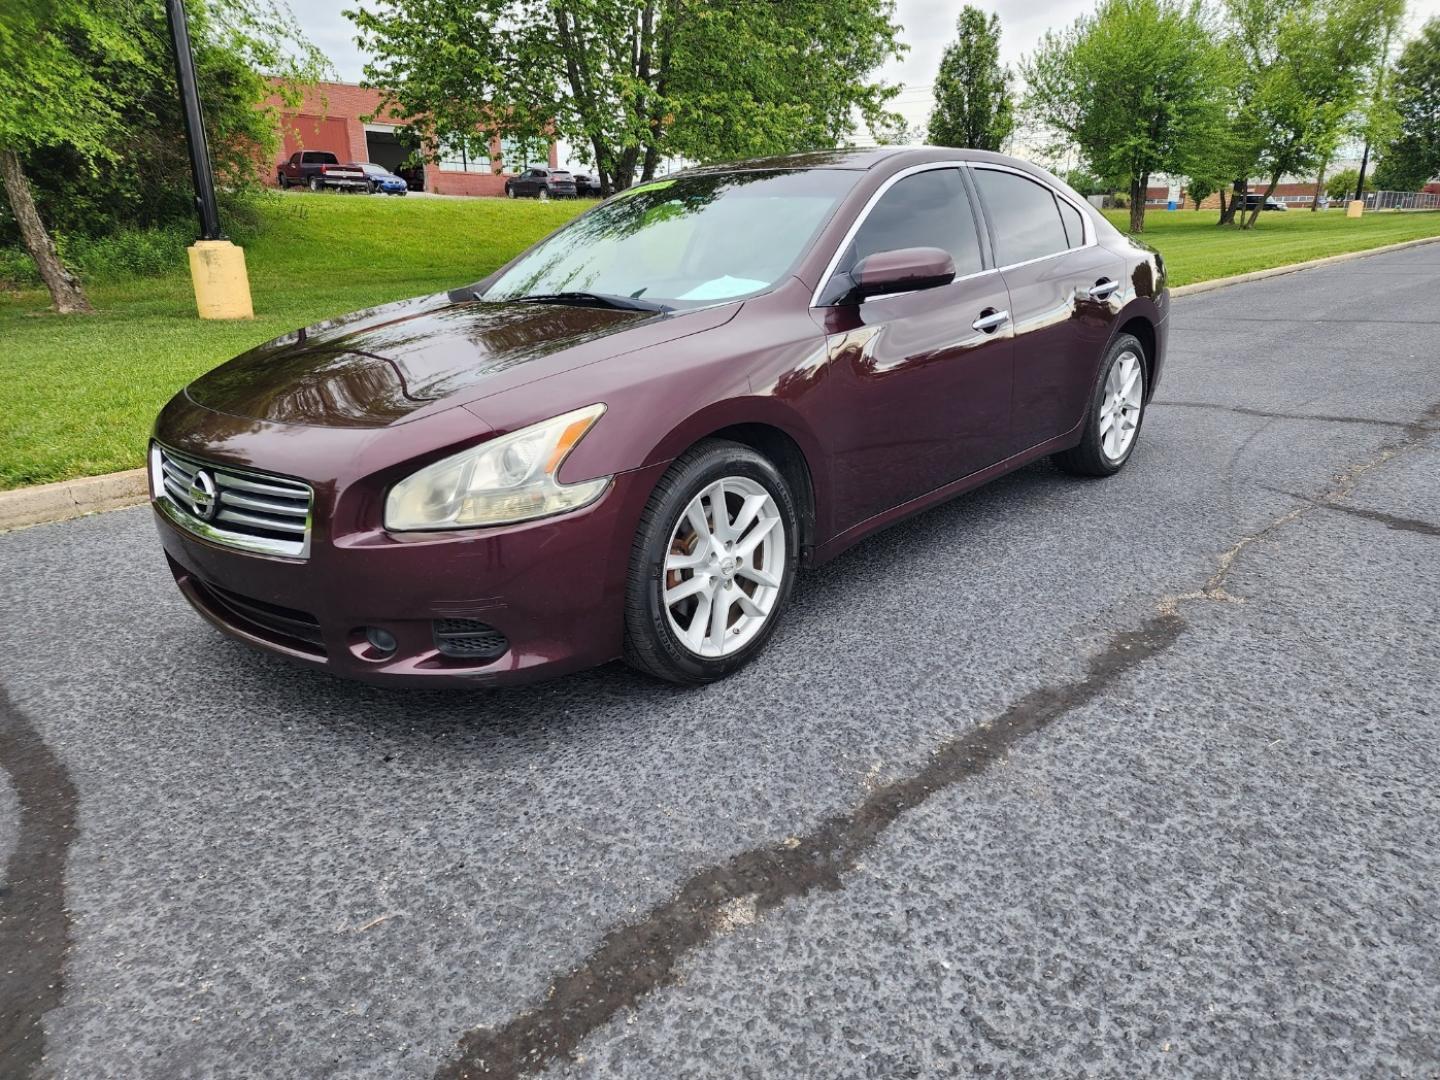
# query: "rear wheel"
x,y
314,183
712,566
543,195
509,192
1117,409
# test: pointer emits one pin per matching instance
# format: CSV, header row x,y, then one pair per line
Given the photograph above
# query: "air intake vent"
x,y
469,639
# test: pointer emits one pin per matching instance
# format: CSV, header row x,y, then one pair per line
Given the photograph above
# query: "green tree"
x,y
1139,86
1086,183
1412,157
90,128
972,88
50,96
632,81
1341,186
1307,64
1198,189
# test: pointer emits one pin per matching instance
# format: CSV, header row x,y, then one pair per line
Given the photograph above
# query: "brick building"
x,y
329,118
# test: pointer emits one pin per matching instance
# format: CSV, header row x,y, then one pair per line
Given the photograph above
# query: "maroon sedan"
x,y
627,441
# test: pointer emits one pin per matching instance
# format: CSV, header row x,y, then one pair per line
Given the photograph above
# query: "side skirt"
x,y
853,535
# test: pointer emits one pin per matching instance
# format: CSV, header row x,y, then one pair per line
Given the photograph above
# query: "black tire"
x,y
509,192
1090,458
651,644
315,185
284,182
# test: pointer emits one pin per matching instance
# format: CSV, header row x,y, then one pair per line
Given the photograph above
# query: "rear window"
x,y
1024,216
318,157
1074,224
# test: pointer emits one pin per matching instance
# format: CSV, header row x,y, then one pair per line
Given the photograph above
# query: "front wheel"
x,y
509,192
712,566
1117,409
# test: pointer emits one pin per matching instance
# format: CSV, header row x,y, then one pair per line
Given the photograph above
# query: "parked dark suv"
x,y
541,183
1255,198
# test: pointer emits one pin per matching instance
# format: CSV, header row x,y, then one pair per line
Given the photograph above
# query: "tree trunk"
x,y
1319,185
66,295
1260,203
1237,200
1138,187
652,159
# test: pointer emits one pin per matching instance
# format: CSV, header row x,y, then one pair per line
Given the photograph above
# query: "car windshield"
x,y
684,241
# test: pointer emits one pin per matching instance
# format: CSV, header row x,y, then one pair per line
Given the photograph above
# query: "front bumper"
x,y
554,588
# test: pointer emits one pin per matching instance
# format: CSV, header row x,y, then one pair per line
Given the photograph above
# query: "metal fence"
x,y
1402,200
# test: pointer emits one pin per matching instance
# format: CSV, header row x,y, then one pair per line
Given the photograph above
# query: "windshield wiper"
x,y
589,299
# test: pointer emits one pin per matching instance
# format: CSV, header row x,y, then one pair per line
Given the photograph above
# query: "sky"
x,y
928,27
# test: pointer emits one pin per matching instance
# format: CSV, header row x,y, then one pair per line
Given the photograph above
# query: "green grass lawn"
x,y
81,393
1196,250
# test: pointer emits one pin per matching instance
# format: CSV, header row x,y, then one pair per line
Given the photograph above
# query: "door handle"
x,y
1102,289
990,320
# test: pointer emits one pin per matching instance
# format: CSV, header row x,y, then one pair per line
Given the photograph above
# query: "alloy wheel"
x,y
724,567
1120,407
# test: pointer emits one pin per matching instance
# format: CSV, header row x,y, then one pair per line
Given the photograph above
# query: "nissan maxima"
x,y
627,441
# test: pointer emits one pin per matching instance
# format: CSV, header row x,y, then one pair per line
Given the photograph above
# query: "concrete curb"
x,y
67,499
91,494
1295,268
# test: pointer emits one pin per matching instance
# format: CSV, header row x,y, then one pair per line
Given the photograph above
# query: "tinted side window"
x,y
1074,225
928,209
1023,216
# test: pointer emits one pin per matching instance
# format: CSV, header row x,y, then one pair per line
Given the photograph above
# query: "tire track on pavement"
x,y
34,925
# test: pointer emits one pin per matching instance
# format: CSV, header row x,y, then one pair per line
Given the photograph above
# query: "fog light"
x,y
381,641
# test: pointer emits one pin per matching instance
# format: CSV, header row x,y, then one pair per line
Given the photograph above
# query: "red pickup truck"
x,y
319,169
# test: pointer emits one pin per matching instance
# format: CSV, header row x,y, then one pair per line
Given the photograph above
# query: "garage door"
x,y
318,133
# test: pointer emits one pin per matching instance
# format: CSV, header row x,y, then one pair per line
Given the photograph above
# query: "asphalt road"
x,y
1120,778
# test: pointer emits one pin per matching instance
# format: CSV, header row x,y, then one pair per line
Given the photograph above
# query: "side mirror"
x,y
902,270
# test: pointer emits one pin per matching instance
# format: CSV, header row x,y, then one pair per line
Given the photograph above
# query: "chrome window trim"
x,y
160,498
1091,239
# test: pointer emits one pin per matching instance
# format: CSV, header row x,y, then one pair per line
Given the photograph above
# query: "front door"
x,y
1065,292
921,393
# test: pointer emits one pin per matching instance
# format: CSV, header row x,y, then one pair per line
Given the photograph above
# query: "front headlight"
x,y
509,479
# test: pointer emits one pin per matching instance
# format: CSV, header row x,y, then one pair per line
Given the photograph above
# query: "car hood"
x,y
395,363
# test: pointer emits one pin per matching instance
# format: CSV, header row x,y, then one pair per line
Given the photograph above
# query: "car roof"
x,y
856,158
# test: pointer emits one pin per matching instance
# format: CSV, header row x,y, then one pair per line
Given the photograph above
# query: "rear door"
x,y
921,395
1065,291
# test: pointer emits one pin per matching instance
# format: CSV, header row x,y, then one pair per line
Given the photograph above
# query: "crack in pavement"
x,y
1264,414
635,959
34,924
1394,521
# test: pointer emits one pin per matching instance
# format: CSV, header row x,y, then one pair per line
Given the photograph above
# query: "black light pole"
x,y
1364,161
194,122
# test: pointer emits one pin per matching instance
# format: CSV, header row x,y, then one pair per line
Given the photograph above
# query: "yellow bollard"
x,y
222,289
1355,208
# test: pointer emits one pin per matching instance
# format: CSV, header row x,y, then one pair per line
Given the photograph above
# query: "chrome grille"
x,y
237,507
